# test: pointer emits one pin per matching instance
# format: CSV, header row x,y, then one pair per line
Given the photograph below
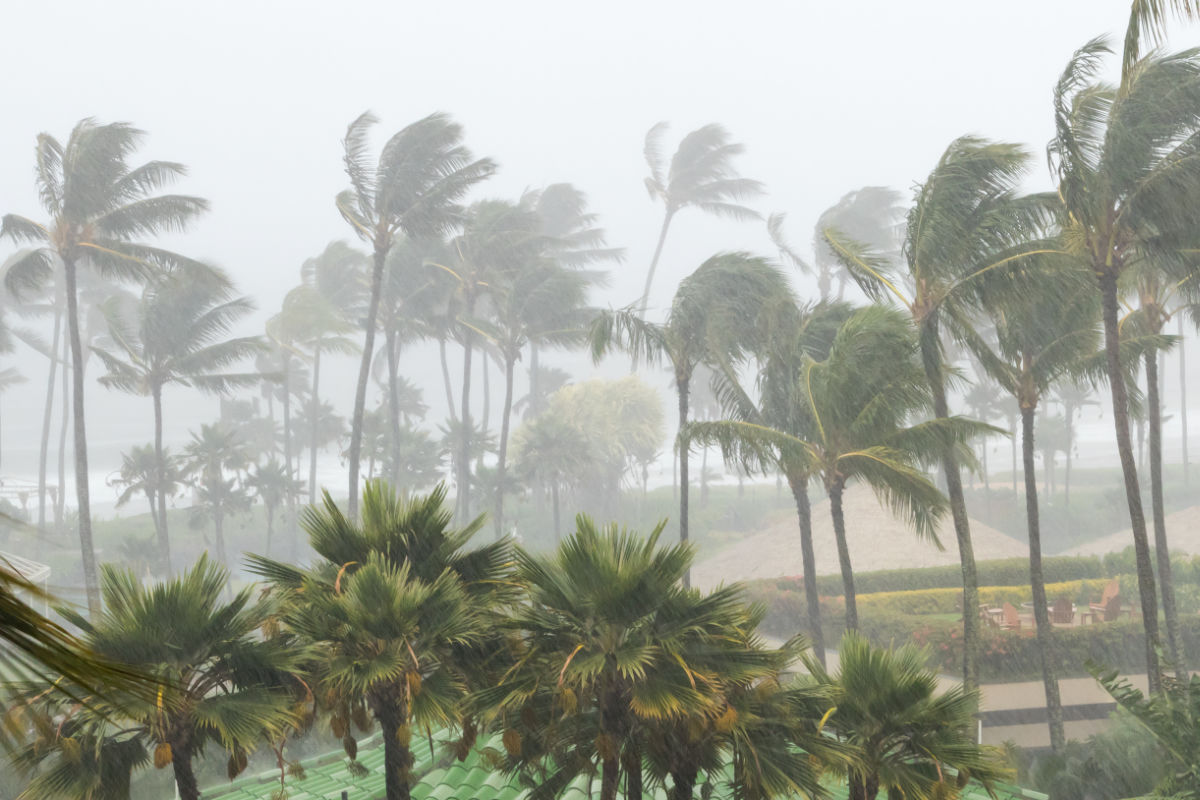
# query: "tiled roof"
x,y
444,778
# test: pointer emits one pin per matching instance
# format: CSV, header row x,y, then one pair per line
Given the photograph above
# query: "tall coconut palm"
x,y
97,205
398,611
498,239
964,227
717,315
1048,335
701,175
213,452
412,190
781,405
218,681
859,401
178,333
905,736
1129,183
140,474
338,277
272,485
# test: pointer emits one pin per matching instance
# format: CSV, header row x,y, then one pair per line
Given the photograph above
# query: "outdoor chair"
x,y
1063,611
1111,590
1011,620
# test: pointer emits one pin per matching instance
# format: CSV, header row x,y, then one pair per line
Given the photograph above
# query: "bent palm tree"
x,y
412,190
701,175
176,334
964,227
717,315
97,204
1129,179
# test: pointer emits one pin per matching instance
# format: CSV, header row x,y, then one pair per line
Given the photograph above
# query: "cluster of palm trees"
x,y
589,660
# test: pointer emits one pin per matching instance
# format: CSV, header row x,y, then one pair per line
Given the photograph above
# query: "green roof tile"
x,y
326,777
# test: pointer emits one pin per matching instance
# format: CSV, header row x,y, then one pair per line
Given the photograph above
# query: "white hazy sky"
x,y
255,95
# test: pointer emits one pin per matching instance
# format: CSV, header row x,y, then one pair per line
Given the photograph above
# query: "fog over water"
x,y
255,97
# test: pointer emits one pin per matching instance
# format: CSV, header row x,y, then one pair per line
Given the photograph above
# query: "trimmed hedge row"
x,y
947,601
1004,572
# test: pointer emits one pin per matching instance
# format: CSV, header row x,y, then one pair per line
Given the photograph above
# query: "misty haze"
x,y
539,400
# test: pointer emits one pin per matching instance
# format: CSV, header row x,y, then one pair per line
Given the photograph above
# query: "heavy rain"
x,y
544,400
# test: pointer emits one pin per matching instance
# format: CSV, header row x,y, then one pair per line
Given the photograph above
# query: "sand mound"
x,y
877,541
1183,535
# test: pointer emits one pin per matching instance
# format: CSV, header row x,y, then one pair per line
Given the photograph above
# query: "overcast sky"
x,y
254,96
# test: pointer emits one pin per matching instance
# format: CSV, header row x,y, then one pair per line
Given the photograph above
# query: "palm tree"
x,y
905,737
337,277
398,613
613,644
1129,188
701,175
1046,336
857,403
140,473
213,451
964,227
554,452
177,334
97,204
717,314
272,484
411,191
218,681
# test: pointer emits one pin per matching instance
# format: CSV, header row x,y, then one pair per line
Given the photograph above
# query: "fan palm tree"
x,y
965,227
177,334
411,191
398,612
214,451
718,314
97,205
907,739
271,483
781,405
337,277
701,175
1124,160
218,681
613,644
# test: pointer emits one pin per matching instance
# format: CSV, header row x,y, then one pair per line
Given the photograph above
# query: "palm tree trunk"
x,y
60,500
464,446
44,452
931,357
393,402
812,599
485,372
987,484
1133,496
535,403
843,549
704,478
658,248
1041,616
316,416
289,493
219,530
446,378
501,456
1183,409
633,777
610,778
681,383
683,783
364,373
82,492
160,469
1161,549
185,776
397,755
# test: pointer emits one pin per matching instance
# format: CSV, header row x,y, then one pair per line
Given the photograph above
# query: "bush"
x,y
947,601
